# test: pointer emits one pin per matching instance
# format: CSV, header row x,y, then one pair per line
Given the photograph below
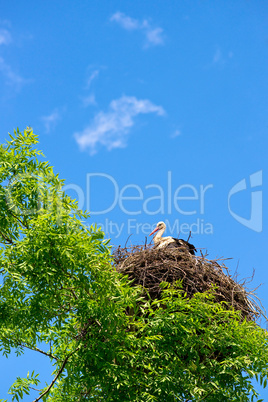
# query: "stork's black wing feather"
x,y
183,243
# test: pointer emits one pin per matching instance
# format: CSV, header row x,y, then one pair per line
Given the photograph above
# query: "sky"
x,y
151,111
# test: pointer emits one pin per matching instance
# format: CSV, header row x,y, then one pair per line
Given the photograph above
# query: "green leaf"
x,y
105,338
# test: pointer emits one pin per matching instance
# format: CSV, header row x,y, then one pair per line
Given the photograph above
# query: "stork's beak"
x,y
156,229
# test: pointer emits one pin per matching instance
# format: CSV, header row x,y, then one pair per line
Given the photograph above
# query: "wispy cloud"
x,y
126,22
92,76
11,77
154,36
175,134
5,37
51,120
219,58
110,129
89,100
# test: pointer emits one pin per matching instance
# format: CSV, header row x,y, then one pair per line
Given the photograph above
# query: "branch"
x,y
202,399
40,351
35,389
18,219
57,375
73,293
6,238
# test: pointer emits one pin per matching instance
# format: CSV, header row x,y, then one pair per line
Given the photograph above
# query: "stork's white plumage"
x,y
161,242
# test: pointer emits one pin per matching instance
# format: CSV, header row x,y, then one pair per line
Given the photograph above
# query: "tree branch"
x,y
40,351
18,219
57,375
202,399
35,389
6,238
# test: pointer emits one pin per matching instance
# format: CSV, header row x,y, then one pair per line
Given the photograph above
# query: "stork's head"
x,y
159,226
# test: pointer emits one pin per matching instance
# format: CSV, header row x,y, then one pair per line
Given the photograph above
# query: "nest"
x,y
149,267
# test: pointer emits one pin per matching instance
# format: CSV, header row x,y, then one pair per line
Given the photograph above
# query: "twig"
x,y
145,244
16,217
57,375
190,235
127,239
35,389
149,267
6,238
202,399
39,350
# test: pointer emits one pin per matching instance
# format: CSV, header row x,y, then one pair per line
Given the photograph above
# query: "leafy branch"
x,y
59,285
7,239
57,375
35,349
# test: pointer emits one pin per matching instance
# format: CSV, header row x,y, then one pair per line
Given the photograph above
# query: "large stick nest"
x,y
149,267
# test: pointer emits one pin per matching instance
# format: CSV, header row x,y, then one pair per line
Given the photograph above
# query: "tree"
x,y
61,296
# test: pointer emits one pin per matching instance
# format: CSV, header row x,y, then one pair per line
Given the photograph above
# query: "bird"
x,y
161,242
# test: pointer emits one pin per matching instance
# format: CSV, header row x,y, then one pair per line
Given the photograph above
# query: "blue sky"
x,y
139,104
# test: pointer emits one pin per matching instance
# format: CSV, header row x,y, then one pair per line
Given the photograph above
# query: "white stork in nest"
x,y
161,242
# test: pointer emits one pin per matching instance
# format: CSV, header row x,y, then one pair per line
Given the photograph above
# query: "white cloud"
x,y
126,22
110,129
93,75
12,78
219,58
175,134
5,37
89,100
51,120
153,35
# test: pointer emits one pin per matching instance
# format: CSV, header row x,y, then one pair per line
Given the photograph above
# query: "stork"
x,y
161,242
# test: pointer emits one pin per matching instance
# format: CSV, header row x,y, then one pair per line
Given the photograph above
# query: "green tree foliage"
x,y
60,296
